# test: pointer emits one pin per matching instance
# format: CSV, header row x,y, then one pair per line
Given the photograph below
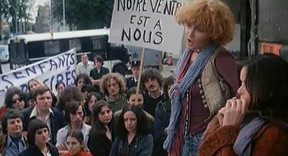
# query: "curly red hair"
x,y
213,16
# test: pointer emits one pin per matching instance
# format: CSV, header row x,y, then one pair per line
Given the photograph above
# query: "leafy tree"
x,y
16,11
85,14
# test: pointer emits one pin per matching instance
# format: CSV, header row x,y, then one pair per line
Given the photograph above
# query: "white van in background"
x,y
4,53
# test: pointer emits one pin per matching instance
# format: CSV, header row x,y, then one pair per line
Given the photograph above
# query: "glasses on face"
x,y
16,100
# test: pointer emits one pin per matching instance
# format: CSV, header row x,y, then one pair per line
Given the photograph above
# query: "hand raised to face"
x,y
233,113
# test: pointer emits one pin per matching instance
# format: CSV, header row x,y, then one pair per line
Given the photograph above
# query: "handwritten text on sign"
x,y
57,68
147,23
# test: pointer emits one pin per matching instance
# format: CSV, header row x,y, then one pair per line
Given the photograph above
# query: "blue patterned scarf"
x,y
177,92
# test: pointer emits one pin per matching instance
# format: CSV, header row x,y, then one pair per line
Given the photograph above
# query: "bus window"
x,y
75,43
52,48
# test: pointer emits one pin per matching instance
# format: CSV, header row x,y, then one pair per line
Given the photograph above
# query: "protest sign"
x,y
57,68
147,23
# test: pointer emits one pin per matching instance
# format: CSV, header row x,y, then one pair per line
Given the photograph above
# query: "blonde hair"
x,y
115,76
213,16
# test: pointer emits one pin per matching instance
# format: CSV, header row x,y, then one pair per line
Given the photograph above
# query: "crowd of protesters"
x,y
200,110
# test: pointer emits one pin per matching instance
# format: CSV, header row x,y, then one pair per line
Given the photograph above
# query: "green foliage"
x,y
16,10
85,14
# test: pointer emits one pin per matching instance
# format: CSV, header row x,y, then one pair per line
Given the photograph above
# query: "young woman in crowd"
x,y
14,99
33,84
90,101
81,80
38,135
133,138
100,136
255,122
74,143
59,88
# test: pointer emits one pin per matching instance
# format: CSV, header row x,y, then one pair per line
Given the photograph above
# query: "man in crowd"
x,y
74,115
113,87
151,81
43,111
97,73
85,66
132,81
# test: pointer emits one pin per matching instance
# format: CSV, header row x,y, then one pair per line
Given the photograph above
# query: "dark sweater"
x,y
150,103
35,151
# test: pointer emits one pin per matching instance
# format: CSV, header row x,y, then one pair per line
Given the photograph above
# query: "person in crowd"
x,y
99,71
162,119
30,100
90,101
75,142
12,140
135,69
256,121
70,93
101,135
85,66
74,116
87,89
205,75
113,86
38,136
137,100
151,81
82,79
133,136
14,99
59,88
43,111
35,83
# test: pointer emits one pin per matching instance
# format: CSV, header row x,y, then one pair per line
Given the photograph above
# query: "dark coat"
x,y
34,151
99,144
141,145
57,121
130,82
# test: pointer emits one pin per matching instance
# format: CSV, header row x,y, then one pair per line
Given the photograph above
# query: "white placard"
x,y
57,68
147,23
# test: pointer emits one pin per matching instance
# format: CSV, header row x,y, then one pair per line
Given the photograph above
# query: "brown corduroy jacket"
x,y
271,140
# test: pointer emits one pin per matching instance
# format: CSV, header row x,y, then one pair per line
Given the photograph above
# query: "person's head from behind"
x,y
70,93
74,142
112,84
33,84
133,99
102,115
43,98
206,21
38,133
169,81
151,80
84,58
74,113
81,80
265,86
86,89
59,87
98,61
12,123
15,98
132,120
